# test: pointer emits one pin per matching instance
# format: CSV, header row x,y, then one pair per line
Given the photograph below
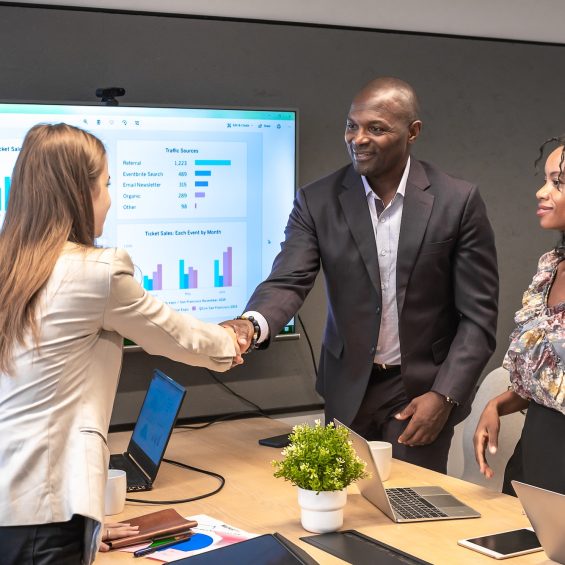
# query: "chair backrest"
x,y
461,462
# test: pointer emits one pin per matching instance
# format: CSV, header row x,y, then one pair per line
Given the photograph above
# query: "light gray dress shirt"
x,y
386,227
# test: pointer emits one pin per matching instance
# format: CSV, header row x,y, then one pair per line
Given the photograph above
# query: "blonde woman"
x,y
65,306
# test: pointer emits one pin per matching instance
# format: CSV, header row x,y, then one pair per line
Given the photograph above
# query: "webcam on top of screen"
x,y
108,95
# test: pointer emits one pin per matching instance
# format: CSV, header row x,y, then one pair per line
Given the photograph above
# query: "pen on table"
x,y
153,548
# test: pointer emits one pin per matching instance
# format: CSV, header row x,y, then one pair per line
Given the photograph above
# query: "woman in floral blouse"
x,y
536,357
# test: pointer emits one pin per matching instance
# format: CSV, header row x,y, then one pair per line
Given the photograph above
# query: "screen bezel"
x,y
288,332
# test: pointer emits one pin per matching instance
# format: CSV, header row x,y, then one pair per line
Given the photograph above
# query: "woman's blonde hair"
x,y
50,203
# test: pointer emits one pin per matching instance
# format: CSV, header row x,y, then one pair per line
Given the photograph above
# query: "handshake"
x,y
245,333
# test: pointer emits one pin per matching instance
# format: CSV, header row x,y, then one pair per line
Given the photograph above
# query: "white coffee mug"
x,y
115,496
382,456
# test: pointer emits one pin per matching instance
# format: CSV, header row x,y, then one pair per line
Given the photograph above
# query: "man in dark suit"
x,y
410,266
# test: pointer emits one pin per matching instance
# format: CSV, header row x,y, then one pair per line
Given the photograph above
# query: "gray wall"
x,y
486,107
522,20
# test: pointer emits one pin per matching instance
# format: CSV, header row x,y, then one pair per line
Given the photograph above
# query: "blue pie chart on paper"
x,y
197,541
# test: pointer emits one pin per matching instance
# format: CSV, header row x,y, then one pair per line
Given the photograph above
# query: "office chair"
x,y
461,462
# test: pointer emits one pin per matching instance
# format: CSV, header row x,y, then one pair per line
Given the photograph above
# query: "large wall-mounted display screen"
x,y
200,196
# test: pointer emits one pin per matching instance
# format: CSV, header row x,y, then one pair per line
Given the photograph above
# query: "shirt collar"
x,y
401,186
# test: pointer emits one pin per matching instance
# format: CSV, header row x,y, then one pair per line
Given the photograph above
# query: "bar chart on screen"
x,y
187,179
9,151
208,278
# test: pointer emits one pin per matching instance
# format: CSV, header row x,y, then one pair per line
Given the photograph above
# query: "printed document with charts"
x,y
209,534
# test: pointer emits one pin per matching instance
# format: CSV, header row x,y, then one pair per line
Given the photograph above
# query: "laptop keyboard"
x,y
409,504
135,478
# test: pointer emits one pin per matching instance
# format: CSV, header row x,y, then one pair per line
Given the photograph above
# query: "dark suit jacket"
x,y
446,276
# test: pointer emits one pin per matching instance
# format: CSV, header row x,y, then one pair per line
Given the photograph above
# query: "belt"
x,y
383,368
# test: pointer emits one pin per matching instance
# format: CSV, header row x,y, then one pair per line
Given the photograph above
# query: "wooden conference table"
x,y
254,500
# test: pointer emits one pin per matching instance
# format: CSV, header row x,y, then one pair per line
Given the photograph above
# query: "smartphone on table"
x,y
504,544
276,441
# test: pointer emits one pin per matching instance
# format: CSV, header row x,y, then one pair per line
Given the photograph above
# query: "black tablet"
x,y
354,547
268,549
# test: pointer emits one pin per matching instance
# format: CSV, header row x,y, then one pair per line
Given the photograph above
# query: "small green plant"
x,y
320,458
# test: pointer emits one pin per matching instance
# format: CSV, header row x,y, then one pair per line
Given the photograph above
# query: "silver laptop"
x,y
408,504
545,511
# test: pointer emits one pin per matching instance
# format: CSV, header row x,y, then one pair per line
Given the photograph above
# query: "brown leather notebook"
x,y
155,525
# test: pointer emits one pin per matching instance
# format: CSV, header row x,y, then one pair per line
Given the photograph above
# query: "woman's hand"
x,y
486,436
112,531
488,428
237,339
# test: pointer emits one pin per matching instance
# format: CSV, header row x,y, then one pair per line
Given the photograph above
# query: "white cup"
x,y
382,456
115,495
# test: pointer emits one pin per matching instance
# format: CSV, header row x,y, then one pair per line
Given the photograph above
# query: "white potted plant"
x,y
321,462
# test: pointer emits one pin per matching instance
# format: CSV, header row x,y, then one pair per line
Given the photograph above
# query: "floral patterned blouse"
x,y
536,356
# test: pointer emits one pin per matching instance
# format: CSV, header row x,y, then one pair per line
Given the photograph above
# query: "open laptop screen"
x,y
156,421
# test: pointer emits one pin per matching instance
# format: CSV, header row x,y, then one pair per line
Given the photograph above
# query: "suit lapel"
x,y
416,211
356,211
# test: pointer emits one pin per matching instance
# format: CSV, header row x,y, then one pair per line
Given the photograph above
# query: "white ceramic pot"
x,y
321,512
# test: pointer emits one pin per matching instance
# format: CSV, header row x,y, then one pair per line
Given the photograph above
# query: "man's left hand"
x,y
428,414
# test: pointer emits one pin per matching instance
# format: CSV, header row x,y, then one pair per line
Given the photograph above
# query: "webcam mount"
x,y
108,95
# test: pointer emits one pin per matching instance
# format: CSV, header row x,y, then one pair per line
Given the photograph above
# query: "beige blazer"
x,y
55,408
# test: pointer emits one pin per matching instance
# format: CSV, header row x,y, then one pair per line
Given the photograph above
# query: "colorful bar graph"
x,y
224,279
212,162
218,279
7,183
155,282
227,256
187,280
192,278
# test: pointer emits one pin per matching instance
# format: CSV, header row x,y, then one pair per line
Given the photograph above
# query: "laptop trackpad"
x,y
444,501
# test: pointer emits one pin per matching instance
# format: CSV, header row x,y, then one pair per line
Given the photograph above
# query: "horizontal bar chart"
x,y
212,162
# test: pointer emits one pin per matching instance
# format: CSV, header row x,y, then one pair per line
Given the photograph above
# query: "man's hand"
x,y
243,330
428,414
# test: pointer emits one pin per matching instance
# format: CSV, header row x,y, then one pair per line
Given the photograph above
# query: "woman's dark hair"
x,y
558,141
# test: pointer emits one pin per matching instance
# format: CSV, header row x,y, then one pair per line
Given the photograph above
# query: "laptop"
x,y
545,510
408,504
151,433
